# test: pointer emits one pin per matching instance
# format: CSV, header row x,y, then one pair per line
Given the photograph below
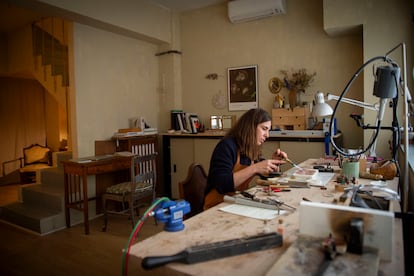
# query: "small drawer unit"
x,y
290,119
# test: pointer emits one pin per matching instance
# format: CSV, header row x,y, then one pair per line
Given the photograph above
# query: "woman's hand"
x,y
279,155
268,166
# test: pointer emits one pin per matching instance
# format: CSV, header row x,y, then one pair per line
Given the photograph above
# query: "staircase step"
x,y
41,206
47,196
52,176
34,217
39,219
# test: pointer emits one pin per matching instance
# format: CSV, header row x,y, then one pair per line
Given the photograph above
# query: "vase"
x,y
293,98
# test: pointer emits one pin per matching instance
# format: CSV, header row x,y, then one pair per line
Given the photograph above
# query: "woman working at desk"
x,y
235,159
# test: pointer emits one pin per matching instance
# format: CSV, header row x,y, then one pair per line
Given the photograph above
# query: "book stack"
x,y
184,122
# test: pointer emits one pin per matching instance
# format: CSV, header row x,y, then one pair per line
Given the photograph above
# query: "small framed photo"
x,y
195,124
242,88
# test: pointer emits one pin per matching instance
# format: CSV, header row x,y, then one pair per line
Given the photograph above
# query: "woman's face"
x,y
262,132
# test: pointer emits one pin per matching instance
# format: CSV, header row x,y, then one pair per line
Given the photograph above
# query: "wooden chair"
x,y
35,158
193,188
130,195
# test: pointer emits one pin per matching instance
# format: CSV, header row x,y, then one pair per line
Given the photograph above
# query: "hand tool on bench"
x,y
206,252
291,183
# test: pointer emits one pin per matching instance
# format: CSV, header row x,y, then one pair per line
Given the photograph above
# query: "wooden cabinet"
x,y
185,151
182,155
203,149
180,150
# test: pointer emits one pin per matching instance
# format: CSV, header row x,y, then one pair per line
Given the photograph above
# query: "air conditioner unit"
x,y
247,10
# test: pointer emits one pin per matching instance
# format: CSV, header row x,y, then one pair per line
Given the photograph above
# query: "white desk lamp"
x,y
387,84
322,109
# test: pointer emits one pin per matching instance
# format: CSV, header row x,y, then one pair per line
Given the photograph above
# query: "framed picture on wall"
x,y
242,88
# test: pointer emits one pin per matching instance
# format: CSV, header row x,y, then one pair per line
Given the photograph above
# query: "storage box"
x,y
305,174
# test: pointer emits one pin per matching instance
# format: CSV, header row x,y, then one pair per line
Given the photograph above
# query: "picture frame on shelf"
x,y
195,124
242,88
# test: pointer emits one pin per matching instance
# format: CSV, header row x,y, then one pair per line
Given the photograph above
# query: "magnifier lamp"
x,y
388,83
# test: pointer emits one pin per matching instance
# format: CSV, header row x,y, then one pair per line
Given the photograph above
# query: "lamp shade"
x,y
321,109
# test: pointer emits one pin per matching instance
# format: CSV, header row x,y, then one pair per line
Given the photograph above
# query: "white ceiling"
x,y
12,17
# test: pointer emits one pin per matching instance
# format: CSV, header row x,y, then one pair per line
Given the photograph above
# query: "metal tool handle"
x,y
211,251
156,261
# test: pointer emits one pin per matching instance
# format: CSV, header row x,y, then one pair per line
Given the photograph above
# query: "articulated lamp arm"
x,y
374,107
322,109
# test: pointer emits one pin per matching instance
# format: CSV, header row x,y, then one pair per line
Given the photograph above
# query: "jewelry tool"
x,y
293,164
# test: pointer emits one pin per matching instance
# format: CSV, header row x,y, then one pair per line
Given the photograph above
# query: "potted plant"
x,y
296,81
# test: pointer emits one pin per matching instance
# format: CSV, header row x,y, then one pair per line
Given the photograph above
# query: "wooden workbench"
x,y
214,225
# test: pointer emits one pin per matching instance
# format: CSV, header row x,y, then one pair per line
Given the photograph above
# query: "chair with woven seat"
x,y
131,195
193,188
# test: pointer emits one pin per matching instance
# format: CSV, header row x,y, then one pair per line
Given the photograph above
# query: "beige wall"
x,y
211,44
115,79
385,24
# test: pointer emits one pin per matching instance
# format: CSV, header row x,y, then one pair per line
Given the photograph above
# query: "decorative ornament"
x,y
212,76
219,100
275,85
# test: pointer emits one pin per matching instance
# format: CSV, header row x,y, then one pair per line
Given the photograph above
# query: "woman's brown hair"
x,y
244,131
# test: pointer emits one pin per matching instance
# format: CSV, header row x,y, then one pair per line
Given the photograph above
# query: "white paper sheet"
x,y
322,179
251,212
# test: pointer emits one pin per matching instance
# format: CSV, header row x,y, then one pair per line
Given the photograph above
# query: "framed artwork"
x,y
242,88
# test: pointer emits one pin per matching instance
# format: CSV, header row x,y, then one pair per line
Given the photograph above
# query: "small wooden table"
x,y
76,173
214,225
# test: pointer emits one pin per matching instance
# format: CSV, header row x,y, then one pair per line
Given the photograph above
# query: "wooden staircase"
x,y
52,52
51,56
41,206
